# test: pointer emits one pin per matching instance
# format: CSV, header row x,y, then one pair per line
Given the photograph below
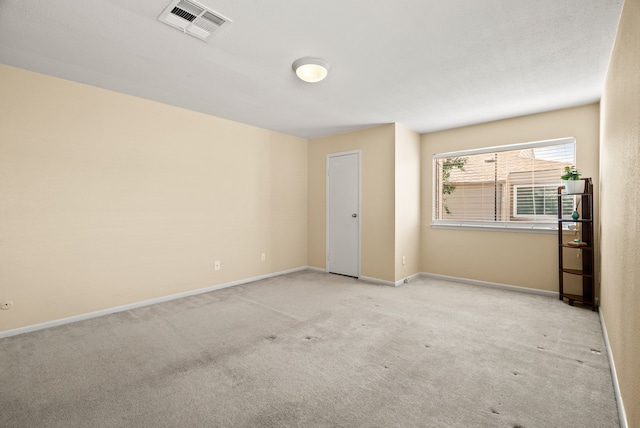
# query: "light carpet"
x,y
311,349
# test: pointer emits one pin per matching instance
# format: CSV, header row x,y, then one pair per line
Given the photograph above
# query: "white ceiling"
x,y
428,64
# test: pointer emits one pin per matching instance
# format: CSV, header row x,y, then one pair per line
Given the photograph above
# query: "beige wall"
x,y
109,199
377,183
620,169
521,259
407,202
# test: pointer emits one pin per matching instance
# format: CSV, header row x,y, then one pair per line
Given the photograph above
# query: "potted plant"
x,y
571,180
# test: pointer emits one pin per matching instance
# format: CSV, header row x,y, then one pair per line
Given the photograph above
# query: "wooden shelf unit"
x,y
587,268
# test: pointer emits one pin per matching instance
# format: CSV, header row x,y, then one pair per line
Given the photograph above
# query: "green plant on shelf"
x,y
570,173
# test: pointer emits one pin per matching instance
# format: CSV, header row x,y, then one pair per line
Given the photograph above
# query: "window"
x,y
513,187
538,201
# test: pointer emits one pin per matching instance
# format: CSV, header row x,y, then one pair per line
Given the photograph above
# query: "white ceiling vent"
x,y
193,18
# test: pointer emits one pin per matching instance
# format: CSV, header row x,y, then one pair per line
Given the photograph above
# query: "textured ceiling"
x,y
428,64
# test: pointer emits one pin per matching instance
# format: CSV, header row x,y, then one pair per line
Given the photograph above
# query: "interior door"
x,y
343,213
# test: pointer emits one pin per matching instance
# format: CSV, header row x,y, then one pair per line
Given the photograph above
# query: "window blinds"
x,y
503,186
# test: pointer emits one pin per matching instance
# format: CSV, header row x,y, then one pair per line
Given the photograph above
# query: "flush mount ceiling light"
x,y
311,70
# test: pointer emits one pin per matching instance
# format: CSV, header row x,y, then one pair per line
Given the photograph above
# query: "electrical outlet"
x,y
264,257
7,304
217,265
404,260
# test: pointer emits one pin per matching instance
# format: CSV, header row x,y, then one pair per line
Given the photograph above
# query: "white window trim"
x,y
506,148
505,226
501,226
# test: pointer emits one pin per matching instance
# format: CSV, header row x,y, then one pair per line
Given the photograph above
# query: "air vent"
x,y
193,19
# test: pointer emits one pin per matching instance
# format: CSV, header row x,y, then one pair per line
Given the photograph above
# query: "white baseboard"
x,y
390,283
407,279
379,281
622,414
364,278
127,307
492,284
371,279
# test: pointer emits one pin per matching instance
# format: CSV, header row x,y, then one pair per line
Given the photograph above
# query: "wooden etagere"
x,y
584,232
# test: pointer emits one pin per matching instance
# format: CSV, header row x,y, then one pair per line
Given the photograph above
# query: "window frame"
x,y
510,226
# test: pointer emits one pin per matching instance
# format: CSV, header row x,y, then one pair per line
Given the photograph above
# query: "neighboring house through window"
x,y
512,187
538,201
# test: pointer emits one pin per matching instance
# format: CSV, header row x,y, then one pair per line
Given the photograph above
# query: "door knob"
x,y
354,215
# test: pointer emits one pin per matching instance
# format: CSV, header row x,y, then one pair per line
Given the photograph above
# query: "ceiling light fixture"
x,y
311,70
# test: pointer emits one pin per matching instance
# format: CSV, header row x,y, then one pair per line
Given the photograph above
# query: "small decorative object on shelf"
x,y
575,214
584,244
571,180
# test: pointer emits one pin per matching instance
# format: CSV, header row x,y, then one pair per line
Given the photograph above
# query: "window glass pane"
x,y
538,200
524,201
568,205
551,201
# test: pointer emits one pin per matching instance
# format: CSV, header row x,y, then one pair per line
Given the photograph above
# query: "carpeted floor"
x,y
316,350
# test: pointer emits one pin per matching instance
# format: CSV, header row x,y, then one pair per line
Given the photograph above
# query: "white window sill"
x,y
550,229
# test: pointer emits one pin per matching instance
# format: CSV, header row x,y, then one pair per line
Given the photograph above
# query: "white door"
x,y
343,213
